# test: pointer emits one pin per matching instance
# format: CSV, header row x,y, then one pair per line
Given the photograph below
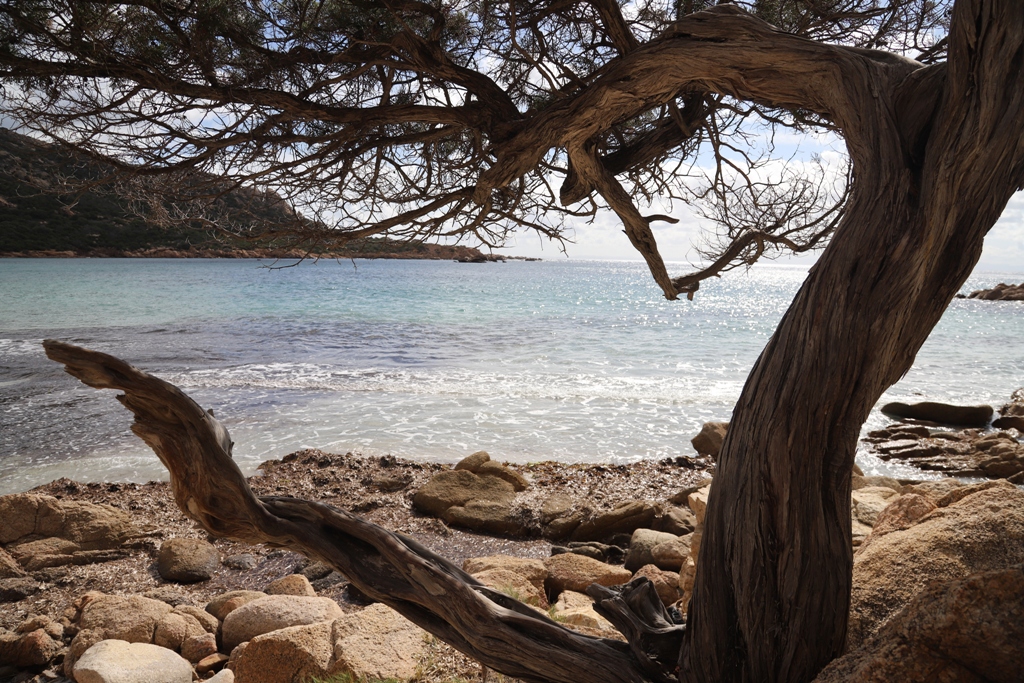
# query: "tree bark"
x,y
936,157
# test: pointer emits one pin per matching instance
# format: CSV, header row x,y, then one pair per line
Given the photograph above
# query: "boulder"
x,y
295,653
555,506
82,641
9,567
665,583
117,661
513,585
197,648
981,532
209,622
933,490
869,501
293,584
473,462
902,513
494,517
1009,422
941,413
452,488
683,496
698,502
859,532
187,560
496,469
243,562
641,547
213,662
570,600
576,572
225,603
132,619
676,520
625,518
563,527
861,482
967,629
54,629
672,555
530,569
169,594
577,609
17,589
687,576
1001,292
273,612
377,643
88,525
602,552
1015,406
222,676
172,630
34,648
709,440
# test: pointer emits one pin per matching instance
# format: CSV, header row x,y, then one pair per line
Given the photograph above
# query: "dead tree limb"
x,y
427,589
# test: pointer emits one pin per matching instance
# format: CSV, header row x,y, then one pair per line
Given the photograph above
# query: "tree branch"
x,y
427,589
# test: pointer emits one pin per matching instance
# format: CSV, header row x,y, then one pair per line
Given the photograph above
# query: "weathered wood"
x,y
427,589
933,170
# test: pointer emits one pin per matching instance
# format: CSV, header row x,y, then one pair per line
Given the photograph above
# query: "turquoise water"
x,y
567,360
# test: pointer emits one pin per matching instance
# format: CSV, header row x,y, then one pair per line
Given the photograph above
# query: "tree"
x,y
446,119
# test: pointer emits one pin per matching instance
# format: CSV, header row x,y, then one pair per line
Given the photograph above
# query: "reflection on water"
x,y
568,360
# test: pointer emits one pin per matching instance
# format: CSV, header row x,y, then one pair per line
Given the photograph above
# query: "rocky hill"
x,y
37,219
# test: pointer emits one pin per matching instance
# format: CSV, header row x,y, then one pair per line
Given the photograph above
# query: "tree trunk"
x,y
937,151
936,157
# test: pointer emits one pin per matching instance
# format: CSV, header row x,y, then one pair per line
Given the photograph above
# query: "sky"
x,y
604,239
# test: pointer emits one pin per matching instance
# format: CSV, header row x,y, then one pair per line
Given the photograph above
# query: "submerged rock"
x,y
941,413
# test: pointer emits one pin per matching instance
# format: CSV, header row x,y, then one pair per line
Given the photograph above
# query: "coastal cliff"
x,y
39,219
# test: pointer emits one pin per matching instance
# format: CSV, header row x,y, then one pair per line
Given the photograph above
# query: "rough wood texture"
x,y
937,152
427,589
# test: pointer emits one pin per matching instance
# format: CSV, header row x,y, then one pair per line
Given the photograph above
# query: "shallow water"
x,y
566,360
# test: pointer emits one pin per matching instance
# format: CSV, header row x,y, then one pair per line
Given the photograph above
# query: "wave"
x,y
682,389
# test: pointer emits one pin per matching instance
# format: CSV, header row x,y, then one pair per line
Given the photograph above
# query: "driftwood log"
x,y
502,633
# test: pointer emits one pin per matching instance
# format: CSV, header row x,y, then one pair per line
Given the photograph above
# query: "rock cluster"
x,y
244,636
38,532
477,495
481,495
1001,292
963,453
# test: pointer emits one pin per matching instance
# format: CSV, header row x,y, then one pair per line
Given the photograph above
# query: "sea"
x,y
568,360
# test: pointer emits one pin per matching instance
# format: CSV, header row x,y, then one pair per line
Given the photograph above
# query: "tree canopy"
x,y
461,119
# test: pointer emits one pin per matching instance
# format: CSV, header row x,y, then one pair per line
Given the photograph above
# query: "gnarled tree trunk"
x,y
937,153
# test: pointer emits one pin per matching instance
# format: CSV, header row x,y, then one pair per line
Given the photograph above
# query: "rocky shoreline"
x,y
1001,292
100,575
430,252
